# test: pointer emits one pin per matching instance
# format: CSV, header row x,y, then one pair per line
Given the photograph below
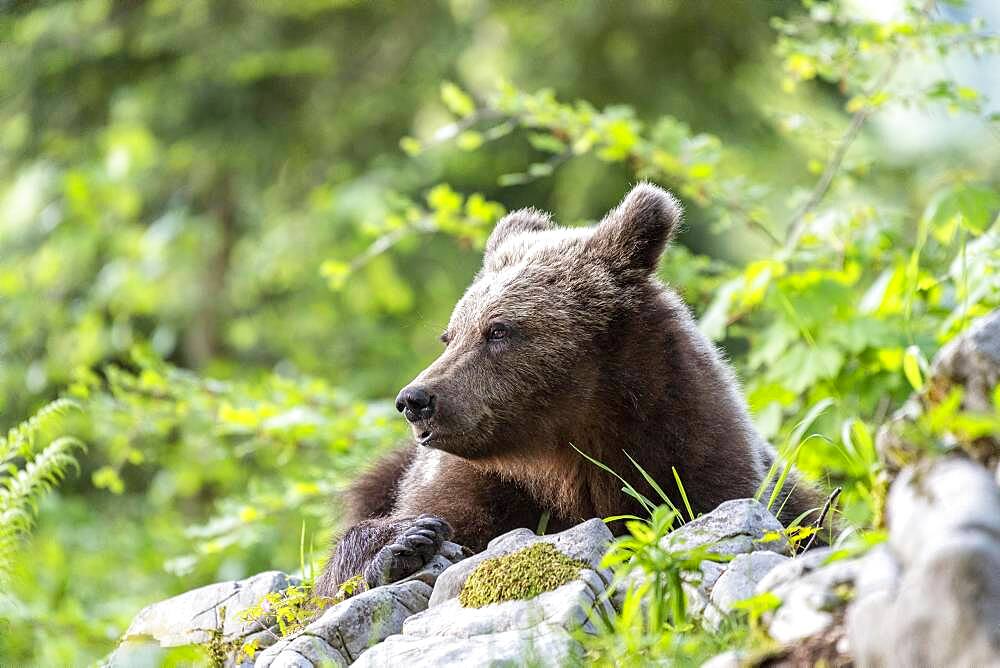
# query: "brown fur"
x,y
598,355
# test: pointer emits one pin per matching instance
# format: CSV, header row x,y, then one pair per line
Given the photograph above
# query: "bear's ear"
x,y
517,222
633,236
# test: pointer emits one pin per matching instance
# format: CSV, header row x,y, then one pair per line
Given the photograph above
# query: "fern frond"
x,y
22,486
20,440
40,474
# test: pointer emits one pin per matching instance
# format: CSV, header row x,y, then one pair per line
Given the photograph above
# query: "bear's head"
x,y
529,344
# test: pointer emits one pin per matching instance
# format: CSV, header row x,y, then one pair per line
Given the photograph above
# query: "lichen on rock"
x,y
520,575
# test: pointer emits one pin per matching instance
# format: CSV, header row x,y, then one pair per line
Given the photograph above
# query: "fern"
x,y
20,440
27,474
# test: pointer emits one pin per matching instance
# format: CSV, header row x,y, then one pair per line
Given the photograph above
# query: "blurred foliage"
x,y
27,472
230,230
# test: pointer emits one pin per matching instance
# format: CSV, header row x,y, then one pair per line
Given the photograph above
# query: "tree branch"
x,y
798,220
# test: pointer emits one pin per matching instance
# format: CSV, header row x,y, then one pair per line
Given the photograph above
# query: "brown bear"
x,y
565,341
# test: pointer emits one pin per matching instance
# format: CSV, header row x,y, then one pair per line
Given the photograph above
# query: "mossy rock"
x,y
520,575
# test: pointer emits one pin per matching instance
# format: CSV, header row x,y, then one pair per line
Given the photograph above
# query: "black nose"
x,y
415,403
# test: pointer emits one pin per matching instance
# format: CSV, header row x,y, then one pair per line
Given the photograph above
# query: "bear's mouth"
x,y
424,437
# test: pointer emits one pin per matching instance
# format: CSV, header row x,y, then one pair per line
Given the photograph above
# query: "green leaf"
x,y
469,140
336,273
512,179
107,478
864,445
443,200
714,322
540,169
977,207
546,142
458,101
803,366
411,146
911,368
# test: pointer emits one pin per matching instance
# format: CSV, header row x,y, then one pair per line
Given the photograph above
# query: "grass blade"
x,y
647,505
684,496
653,484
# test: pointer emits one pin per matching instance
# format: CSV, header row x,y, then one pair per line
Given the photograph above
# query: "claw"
x,y
426,533
419,540
434,524
413,547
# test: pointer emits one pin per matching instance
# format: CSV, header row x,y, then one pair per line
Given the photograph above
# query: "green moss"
x,y
519,575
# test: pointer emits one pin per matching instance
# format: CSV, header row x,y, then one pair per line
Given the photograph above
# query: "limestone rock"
x,y
347,629
739,582
736,527
971,361
931,503
944,541
543,645
794,569
210,614
698,586
343,632
198,616
511,632
730,659
586,542
192,617
813,594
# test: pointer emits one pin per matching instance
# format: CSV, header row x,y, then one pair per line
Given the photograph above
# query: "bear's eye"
x,y
497,331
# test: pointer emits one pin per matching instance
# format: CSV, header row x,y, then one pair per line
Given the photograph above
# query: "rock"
x,y
826,649
739,582
739,526
874,589
793,569
196,617
932,595
730,659
296,660
346,630
878,573
337,637
511,632
544,645
566,607
971,361
586,542
944,541
813,595
698,586
709,573
933,503
192,617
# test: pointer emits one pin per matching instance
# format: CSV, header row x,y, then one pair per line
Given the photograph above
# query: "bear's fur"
x,y
565,340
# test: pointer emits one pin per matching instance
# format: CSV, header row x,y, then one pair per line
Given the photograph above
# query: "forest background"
x,y
231,230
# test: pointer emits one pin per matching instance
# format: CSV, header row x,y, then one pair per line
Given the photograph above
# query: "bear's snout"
x,y
415,403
